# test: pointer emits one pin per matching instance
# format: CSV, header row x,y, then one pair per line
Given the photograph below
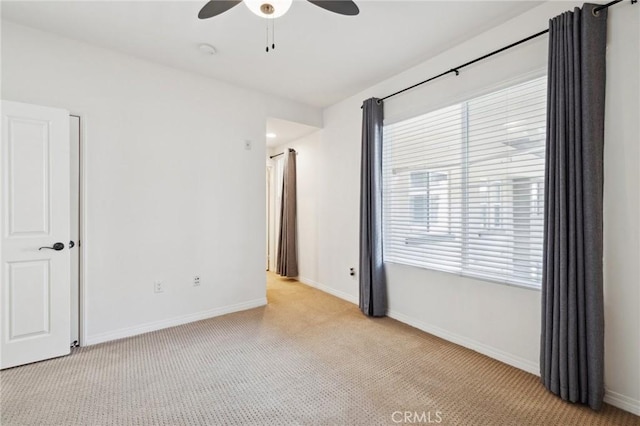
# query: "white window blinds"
x,y
463,187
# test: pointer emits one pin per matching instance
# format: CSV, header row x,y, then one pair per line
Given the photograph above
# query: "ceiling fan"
x,y
275,8
271,9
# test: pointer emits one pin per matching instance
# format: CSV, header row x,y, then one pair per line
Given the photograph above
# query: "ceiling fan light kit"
x,y
269,9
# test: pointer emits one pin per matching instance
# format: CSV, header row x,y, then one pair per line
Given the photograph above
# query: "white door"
x,y
34,292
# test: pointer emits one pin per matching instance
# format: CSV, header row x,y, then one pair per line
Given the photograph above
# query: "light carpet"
x,y
307,358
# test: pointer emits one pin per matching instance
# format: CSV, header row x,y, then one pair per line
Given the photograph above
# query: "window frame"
x,y
537,203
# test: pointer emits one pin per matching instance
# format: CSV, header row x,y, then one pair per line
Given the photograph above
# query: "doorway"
x,y
281,135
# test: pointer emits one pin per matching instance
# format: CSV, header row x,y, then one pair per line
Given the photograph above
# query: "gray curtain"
x,y
572,340
373,291
287,261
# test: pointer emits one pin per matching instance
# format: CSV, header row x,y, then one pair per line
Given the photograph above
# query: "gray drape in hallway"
x,y
572,337
287,261
373,291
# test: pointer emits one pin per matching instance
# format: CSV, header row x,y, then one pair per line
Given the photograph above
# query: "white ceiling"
x,y
320,57
286,131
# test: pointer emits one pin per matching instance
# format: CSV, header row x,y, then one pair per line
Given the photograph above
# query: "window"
x,y
463,187
429,199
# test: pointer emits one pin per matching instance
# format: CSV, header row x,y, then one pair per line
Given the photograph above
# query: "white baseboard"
x,y
172,322
613,398
507,358
337,293
610,397
616,399
623,402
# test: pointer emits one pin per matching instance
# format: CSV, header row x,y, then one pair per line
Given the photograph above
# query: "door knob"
x,y
56,247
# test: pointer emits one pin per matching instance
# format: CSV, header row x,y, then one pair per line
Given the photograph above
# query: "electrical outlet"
x,y
196,280
158,287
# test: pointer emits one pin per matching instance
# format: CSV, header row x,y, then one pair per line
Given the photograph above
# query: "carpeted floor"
x,y
307,358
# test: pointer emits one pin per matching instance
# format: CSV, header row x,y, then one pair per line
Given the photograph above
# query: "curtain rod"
x,y
277,155
457,69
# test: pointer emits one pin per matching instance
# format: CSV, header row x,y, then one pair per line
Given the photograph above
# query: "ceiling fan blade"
x,y
343,7
216,7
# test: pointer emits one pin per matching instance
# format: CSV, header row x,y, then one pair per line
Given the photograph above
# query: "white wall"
x,y
170,190
307,184
162,146
498,320
622,207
